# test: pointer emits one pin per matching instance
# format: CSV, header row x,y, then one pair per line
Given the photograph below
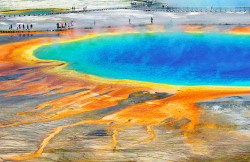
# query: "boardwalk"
x,y
201,9
144,8
63,12
45,30
137,22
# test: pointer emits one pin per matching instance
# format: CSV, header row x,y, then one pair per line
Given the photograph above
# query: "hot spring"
x,y
170,58
30,12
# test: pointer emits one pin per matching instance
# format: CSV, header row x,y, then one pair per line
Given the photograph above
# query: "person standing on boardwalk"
x,y
212,8
31,26
27,27
129,21
152,20
23,27
57,25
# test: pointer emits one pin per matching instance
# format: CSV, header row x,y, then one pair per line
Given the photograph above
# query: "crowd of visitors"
x,y
21,27
64,25
59,26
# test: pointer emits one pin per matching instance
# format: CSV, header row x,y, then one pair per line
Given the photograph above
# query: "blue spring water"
x,y
32,12
172,58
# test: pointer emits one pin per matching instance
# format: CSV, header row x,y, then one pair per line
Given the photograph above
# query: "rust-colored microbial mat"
x,y
52,114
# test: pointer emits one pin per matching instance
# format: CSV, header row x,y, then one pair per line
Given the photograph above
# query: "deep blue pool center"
x,y
171,58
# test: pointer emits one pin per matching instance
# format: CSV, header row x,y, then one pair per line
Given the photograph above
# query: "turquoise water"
x,y
33,12
172,58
